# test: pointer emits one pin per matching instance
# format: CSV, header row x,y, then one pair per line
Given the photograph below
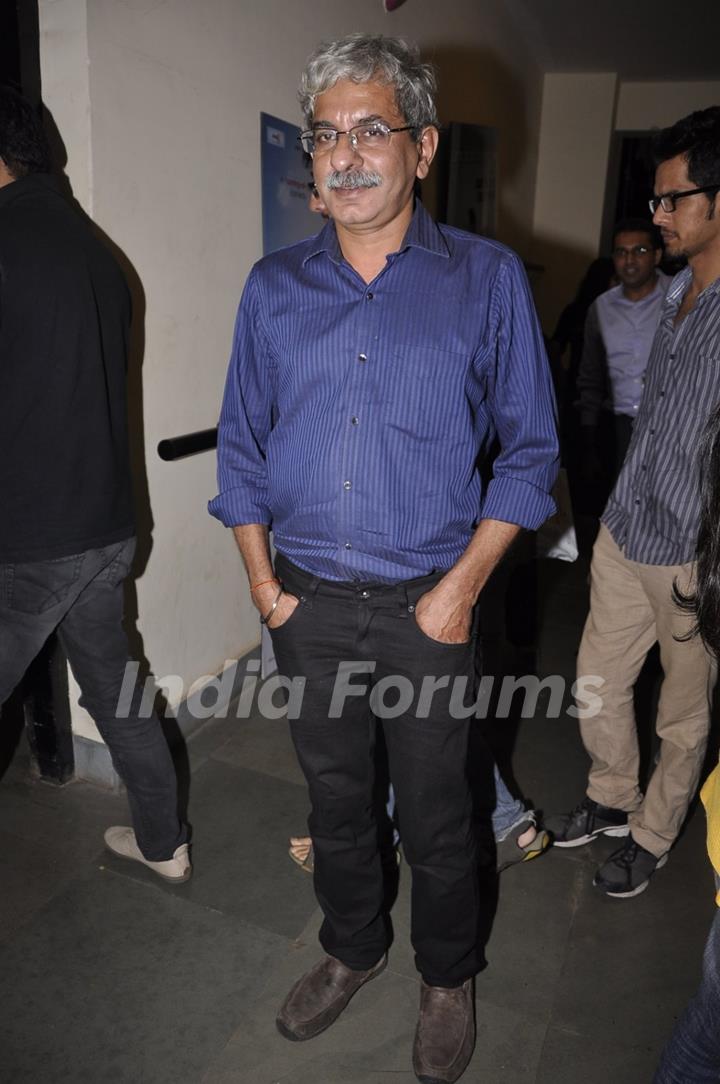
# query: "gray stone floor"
x,y
106,974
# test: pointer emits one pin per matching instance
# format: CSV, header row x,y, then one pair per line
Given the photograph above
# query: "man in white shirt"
x,y
619,331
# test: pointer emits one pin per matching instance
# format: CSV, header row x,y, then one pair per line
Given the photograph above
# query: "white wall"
x,y
577,122
642,106
66,88
163,143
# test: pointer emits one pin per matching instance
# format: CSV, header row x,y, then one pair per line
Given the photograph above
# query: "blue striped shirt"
x,y
355,415
653,512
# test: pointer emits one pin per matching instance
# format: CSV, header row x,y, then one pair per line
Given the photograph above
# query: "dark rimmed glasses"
x,y
372,136
668,200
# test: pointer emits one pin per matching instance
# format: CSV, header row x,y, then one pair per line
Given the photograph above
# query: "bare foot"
x,y
300,847
527,837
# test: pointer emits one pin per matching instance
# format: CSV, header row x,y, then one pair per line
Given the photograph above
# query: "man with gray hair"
x,y
370,366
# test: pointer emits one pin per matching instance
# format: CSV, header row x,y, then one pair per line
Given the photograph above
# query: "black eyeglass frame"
x,y
310,134
673,197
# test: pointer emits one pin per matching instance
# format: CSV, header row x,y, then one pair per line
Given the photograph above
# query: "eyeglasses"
x,y
668,200
620,253
368,137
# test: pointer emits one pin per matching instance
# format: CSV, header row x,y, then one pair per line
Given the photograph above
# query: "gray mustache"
x,y
354,178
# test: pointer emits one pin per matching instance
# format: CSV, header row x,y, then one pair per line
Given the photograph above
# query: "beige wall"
x,y
577,122
642,106
163,140
66,87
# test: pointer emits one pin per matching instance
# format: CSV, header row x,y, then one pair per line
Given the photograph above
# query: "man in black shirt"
x,y
66,518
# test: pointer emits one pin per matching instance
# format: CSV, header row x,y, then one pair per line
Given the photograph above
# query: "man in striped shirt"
x,y
647,541
370,366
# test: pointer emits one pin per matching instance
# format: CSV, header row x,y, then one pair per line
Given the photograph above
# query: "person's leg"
x,y
693,1050
427,751
301,847
94,640
509,812
34,597
336,756
619,632
683,713
427,742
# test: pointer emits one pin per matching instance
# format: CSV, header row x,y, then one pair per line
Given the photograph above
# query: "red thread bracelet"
x,y
273,580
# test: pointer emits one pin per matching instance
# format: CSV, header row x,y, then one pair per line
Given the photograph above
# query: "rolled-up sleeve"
x,y
245,420
522,407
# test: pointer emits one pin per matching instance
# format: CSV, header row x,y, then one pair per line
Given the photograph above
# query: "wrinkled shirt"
x,y
619,335
654,510
355,415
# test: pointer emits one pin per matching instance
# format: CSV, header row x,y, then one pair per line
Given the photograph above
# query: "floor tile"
x,y
241,823
117,981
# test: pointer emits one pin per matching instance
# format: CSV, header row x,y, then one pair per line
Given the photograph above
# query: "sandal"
x,y
308,862
509,852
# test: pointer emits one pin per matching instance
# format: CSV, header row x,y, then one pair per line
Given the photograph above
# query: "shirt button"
x,y
370,296
637,500
354,420
364,594
347,485
362,357
348,545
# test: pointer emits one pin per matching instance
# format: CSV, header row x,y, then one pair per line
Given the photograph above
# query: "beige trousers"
x,y
631,607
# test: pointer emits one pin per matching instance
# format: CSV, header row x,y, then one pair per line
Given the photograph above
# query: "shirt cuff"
x,y
513,501
237,507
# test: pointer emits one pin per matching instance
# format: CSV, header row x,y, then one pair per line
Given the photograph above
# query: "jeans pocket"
x,y
457,644
120,563
35,587
301,607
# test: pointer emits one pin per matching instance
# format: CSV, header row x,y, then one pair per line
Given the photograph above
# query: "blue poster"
x,y
285,179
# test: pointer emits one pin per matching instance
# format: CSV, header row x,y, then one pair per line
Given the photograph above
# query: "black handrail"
x,y
187,444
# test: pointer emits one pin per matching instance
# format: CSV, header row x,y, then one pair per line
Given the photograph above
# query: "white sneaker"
x,y
121,841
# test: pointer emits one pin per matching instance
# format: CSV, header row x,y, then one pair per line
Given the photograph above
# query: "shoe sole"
x,y
621,830
163,876
635,891
288,1034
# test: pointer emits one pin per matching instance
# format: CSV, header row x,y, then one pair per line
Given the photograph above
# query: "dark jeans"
x,y
82,598
692,1056
336,629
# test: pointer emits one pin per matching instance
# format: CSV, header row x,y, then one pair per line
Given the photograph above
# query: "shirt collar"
x,y
422,233
679,285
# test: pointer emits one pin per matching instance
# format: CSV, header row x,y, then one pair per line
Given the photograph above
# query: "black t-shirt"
x,y
64,323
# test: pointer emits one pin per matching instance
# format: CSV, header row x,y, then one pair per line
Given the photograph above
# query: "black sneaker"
x,y
587,820
627,872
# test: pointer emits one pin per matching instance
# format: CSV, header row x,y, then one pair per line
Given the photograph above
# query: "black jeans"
x,y
82,597
341,639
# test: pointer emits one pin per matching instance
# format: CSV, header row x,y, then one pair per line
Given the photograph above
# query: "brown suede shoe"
x,y
317,999
445,1036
